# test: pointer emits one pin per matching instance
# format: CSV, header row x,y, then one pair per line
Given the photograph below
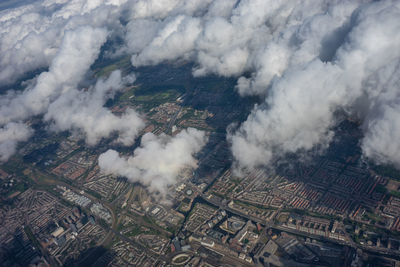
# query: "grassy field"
x,y
122,64
150,97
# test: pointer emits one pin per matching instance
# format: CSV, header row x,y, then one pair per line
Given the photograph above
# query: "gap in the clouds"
x,y
42,156
344,148
333,41
154,85
21,83
7,4
106,62
212,93
167,82
109,58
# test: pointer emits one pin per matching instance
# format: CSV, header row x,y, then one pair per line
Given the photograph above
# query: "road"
x,y
55,182
226,207
270,224
38,246
112,230
173,119
137,244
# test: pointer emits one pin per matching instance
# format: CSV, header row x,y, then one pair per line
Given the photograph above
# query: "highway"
x,y
173,120
112,230
270,224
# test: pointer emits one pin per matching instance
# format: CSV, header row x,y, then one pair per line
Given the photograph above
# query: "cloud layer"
x,y
159,159
298,113
66,37
305,59
10,135
31,35
83,111
77,52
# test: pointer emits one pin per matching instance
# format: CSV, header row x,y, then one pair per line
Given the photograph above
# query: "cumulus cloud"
x,y
180,32
382,124
229,37
78,51
159,159
160,9
83,111
10,135
65,37
381,140
31,35
299,109
306,59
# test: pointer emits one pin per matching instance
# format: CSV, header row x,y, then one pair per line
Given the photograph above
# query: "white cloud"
x,y
31,35
381,140
175,40
77,52
306,59
83,111
10,135
66,37
299,109
159,159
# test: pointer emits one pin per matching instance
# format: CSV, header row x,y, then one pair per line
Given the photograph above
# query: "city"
x,y
330,213
199,133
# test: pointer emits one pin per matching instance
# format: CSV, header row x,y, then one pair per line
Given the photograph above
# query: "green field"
x,y
105,70
150,98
